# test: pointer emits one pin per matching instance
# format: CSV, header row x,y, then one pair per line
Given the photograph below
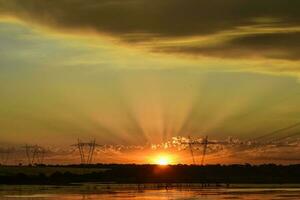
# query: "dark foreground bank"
x,y
116,173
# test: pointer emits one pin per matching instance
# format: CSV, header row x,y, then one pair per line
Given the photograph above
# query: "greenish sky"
x,y
140,80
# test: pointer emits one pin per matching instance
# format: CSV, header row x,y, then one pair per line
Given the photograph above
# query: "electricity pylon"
x,y
35,154
204,142
5,154
191,150
191,143
86,150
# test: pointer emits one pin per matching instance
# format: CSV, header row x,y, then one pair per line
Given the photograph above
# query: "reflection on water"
x,y
97,192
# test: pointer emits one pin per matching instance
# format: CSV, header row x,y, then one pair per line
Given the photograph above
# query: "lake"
x,y
149,192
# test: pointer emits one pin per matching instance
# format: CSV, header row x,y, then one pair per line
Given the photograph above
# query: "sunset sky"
x,y
139,72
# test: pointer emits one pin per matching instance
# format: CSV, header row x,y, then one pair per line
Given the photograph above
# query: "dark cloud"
x,y
271,45
144,20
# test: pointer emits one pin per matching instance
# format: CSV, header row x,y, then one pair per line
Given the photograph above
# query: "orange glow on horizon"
x,y
163,159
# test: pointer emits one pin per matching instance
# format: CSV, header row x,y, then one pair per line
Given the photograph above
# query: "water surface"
x,y
149,192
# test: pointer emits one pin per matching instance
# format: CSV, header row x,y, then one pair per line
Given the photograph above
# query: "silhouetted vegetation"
x,y
130,173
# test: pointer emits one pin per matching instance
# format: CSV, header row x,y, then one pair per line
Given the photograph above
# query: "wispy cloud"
x,y
259,29
227,151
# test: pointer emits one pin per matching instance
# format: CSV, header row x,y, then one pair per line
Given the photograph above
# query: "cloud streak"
x,y
231,150
153,23
268,45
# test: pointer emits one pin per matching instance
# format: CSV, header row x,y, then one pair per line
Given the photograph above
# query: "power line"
x,y
277,131
287,136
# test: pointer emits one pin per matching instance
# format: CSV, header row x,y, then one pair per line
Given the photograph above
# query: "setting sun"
x,y
163,160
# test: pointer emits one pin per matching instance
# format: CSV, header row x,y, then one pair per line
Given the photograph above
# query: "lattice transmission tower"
x,y
35,154
86,150
204,142
5,155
